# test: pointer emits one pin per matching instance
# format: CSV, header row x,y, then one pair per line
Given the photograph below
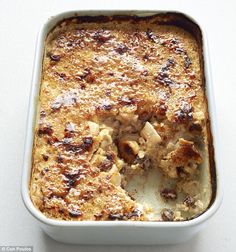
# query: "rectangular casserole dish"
x,y
118,232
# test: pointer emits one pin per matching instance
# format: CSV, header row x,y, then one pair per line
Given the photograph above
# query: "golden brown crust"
x,y
102,82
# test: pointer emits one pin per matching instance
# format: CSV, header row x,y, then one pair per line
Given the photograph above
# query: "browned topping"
x,y
121,49
116,216
166,67
102,36
189,201
44,171
42,114
134,213
187,62
180,171
110,156
98,216
195,127
87,143
184,113
59,159
189,151
167,215
74,213
105,165
145,115
179,50
55,57
72,182
127,150
86,75
45,157
151,36
86,72
72,174
62,76
78,148
102,81
107,107
169,194
45,130
163,78
126,101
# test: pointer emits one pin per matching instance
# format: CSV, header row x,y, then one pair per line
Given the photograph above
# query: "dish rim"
x,y
32,107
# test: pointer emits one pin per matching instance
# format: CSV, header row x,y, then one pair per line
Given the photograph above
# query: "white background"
x,y
19,24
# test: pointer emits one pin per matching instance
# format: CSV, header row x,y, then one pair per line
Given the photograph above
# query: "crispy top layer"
x,y
95,70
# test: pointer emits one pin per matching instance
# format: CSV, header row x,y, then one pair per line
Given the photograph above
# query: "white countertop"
x,y
19,25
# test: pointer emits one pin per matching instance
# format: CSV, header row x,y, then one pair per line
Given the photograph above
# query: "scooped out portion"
x,y
121,130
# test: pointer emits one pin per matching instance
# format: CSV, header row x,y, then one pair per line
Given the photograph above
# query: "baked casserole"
x,y
122,129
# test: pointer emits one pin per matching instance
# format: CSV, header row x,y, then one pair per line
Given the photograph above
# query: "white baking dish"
x,y
114,232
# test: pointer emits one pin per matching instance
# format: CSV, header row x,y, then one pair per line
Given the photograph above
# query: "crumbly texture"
x,y
118,98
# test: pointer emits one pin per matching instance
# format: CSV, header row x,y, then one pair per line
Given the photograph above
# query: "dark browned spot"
x,y
126,151
44,171
86,75
115,216
86,144
146,57
184,113
98,216
189,201
167,215
168,194
59,159
174,41
69,130
62,76
164,79
134,213
150,35
45,157
179,50
52,140
110,156
102,36
180,171
107,107
42,114
195,127
187,62
126,101
55,57
105,165
121,49
45,130
71,182
189,151
170,62
74,213
145,115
